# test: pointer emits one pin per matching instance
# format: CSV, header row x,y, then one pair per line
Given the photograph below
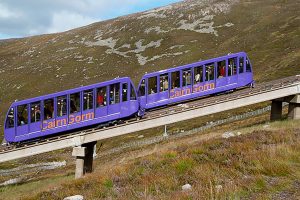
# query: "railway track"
x,y
176,108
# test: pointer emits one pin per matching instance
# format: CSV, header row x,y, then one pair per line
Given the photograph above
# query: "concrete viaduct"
x,y
284,90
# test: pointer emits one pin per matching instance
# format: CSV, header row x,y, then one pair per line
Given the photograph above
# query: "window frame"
x,y
210,65
119,96
177,72
26,122
87,106
162,78
53,112
13,117
149,89
40,105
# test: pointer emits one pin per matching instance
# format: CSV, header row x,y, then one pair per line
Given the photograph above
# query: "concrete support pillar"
x,y
276,110
294,108
84,159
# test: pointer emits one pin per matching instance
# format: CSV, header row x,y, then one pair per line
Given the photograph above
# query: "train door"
x,y
186,81
114,99
209,77
48,114
35,117
164,87
75,106
142,93
88,106
10,124
101,102
198,79
221,80
61,111
232,71
125,103
22,120
152,93
175,84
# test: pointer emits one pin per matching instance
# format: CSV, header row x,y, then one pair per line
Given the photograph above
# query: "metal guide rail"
x,y
182,111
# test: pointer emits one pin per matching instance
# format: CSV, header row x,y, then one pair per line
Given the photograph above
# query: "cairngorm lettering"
x,y
196,88
63,122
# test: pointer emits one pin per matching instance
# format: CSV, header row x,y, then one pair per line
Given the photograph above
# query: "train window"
x,y
221,67
114,93
163,82
142,88
175,76
61,106
241,65
232,66
186,77
152,85
198,75
22,115
124,92
88,99
248,66
132,93
10,121
35,112
48,109
101,96
74,102
209,72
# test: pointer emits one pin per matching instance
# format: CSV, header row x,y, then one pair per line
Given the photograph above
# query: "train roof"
x,y
202,62
70,91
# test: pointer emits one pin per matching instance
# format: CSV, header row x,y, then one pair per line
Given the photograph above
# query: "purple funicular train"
x,y
118,99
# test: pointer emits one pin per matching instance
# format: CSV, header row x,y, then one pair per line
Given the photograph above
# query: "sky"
x,y
21,18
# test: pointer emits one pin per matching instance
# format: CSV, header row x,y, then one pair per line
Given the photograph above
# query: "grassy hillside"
x,y
260,162
181,33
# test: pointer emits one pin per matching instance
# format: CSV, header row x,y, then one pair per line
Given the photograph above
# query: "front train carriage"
x,y
71,109
195,80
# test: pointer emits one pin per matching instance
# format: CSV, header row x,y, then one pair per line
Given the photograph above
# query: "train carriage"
x,y
71,109
194,80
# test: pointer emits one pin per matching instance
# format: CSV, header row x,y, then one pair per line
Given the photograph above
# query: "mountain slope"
x,y
131,45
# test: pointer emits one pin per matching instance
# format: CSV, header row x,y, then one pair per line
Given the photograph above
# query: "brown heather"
x,y
263,163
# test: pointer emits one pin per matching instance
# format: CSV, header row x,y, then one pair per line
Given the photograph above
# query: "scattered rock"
x,y
140,136
227,135
186,187
266,126
75,197
219,188
238,133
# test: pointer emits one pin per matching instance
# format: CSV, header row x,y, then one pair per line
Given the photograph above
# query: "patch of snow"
x,y
21,67
227,135
176,46
109,42
66,49
125,46
141,47
157,29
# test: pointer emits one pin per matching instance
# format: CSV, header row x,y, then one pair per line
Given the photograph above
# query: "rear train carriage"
x,y
70,109
195,80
